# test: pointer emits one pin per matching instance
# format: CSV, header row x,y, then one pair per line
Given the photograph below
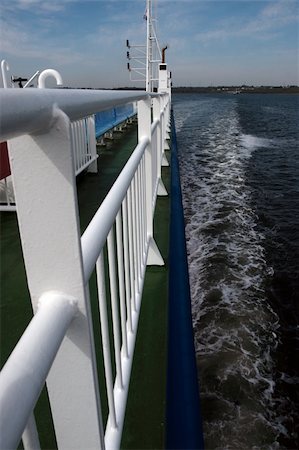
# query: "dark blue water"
x,y
239,161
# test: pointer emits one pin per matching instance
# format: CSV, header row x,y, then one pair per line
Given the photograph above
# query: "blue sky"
x,y
211,42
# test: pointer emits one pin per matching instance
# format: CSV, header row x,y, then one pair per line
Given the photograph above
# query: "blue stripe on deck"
x,y
183,415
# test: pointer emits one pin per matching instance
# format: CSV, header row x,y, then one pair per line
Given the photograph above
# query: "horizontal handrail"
x,y
28,111
23,376
92,241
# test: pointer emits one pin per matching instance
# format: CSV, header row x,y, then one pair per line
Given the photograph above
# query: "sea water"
x,y
239,163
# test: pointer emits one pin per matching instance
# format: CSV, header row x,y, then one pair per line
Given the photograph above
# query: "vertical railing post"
x,y
144,131
167,105
30,437
92,146
45,190
157,115
165,145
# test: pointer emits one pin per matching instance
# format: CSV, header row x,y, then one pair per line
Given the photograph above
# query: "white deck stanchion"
x,y
45,190
144,129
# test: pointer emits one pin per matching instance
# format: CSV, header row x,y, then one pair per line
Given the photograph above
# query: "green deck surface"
x,y
144,423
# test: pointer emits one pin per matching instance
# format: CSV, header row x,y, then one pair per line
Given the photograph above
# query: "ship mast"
x,y
148,82
143,60
153,52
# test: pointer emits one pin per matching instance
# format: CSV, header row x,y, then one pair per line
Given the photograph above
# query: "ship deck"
x,y
147,398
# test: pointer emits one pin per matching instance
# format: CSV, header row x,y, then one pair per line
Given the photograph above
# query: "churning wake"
x,y
236,330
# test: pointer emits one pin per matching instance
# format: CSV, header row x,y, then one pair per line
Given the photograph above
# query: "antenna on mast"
x,y
144,60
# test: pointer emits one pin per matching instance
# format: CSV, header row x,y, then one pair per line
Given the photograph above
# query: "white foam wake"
x,y
236,331
253,142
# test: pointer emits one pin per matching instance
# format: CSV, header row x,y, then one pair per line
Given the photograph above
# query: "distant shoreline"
x,y
237,90
213,89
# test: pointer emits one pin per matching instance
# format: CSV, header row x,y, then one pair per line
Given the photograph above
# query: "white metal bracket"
x,y
162,192
154,257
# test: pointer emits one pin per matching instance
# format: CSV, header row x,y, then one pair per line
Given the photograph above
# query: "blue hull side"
x,y
183,414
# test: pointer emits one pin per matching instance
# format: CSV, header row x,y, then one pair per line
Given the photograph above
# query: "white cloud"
x,y
265,25
44,5
34,6
19,42
280,8
274,16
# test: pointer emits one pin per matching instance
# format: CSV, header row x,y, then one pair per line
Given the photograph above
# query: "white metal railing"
x,y
83,145
118,244
24,374
7,200
85,158
83,138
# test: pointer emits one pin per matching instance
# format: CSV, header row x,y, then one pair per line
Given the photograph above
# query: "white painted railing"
x,y
118,244
24,374
7,199
85,158
84,145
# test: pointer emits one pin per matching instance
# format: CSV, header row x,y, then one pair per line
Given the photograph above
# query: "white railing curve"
x,y
4,70
82,133
41,82
117,245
